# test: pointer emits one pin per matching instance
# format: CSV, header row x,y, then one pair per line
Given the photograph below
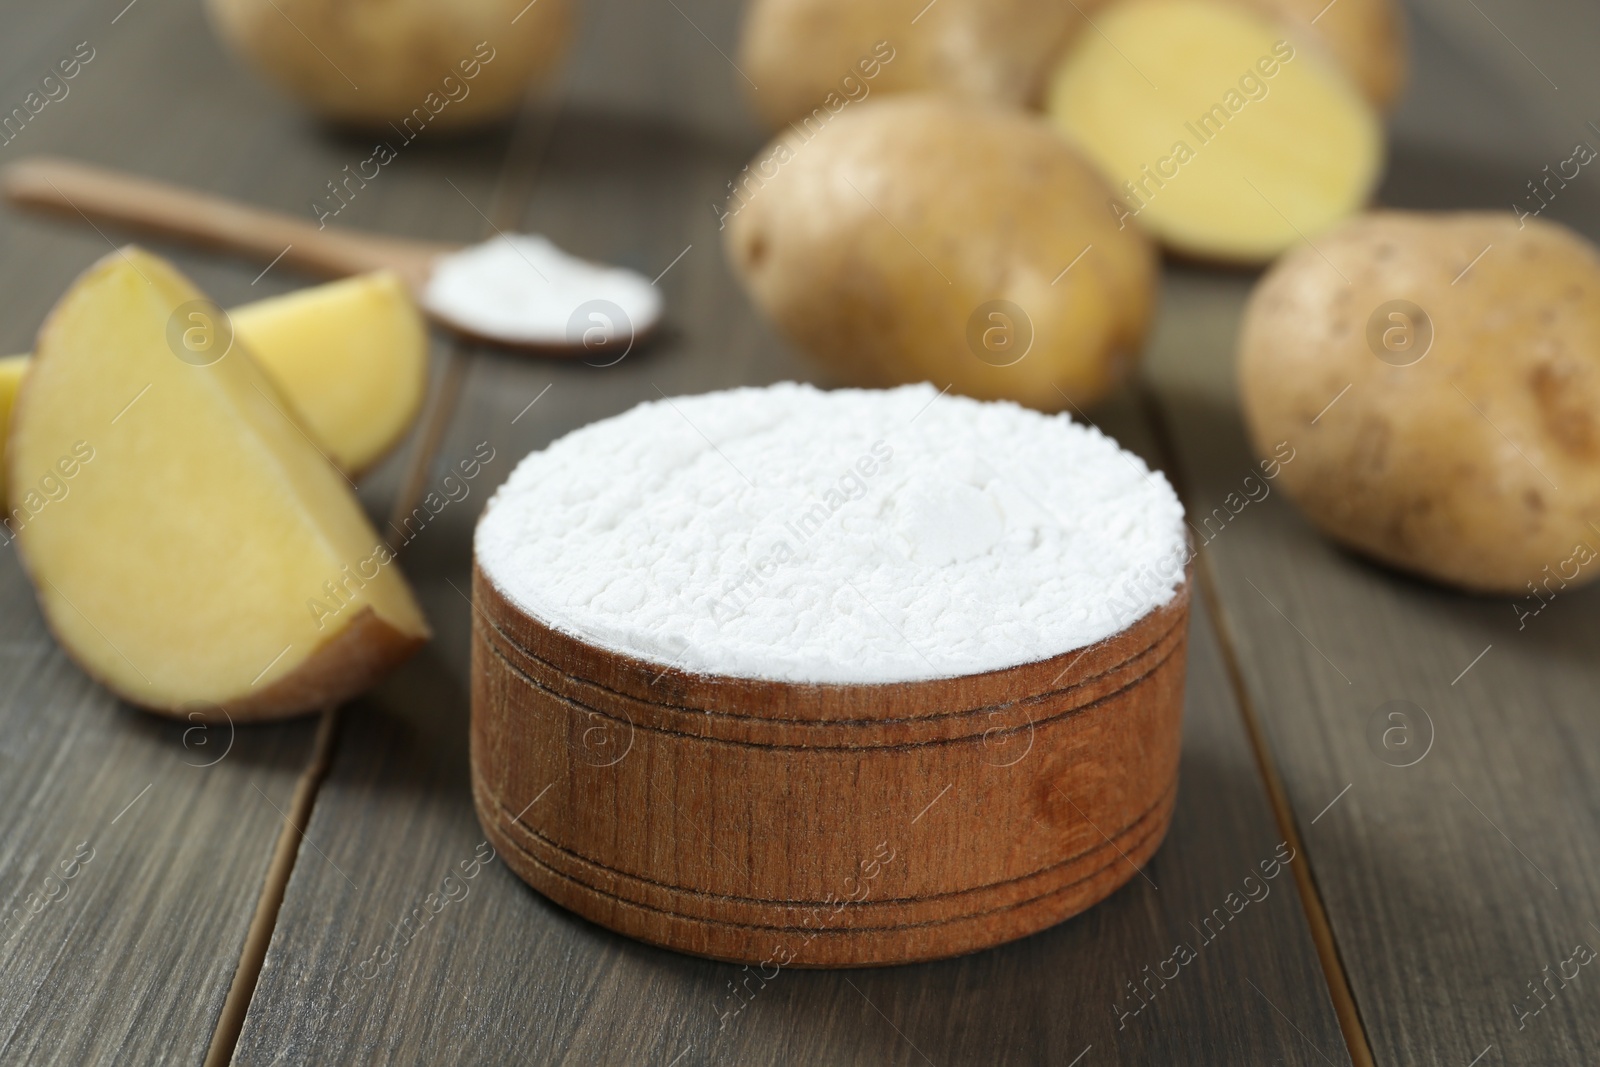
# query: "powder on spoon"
x,y
523,289
856,536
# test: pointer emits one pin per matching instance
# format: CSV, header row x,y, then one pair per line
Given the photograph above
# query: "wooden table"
x,y
252,896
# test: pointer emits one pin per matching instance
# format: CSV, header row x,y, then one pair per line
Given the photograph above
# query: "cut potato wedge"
x,y
1222,137
352,356
191,548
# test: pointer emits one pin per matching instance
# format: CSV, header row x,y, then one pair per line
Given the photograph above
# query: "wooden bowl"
x,y
783,824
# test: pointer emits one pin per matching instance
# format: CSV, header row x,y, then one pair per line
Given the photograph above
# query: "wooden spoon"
x,y
76,190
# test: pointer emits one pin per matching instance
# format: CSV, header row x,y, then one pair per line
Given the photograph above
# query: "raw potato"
x,y
1366,37
351,356
880,244
1450,466
11,370
369,63
190,547
1221,136
800,51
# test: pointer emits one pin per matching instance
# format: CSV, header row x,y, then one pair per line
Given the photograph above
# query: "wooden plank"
x,y
1453,882
135,960
144,938
491,971
356,973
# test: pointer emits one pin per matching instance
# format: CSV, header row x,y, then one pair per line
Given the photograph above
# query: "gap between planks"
x,y
1333,969
225,1038
284,854
528,141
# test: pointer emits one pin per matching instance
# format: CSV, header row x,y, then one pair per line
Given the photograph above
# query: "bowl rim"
x,y
776,700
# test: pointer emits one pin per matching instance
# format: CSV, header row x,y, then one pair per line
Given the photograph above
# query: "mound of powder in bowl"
x,y
859,536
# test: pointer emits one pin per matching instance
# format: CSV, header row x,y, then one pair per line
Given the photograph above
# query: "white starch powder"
x,y
523,289
852,536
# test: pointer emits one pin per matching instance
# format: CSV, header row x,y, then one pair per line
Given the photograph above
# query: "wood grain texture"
x,y
368,971
134,963
1417,863
777,810
144,935
1434,874
372,973
1456,855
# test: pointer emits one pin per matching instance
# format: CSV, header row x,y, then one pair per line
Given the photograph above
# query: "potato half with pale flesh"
x,y
920,238
1220,135
191,548
815,54
1438,376
1366,37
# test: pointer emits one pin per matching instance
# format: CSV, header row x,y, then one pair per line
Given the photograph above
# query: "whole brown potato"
x,y
1438,377
798,52
919,238
369,63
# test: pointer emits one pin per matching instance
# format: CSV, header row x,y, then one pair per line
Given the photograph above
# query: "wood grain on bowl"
x,y
823,825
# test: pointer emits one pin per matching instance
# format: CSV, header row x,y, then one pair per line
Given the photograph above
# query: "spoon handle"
x,y
96,195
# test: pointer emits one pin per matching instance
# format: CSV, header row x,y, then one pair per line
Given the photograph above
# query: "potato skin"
x,y
1448,467
1367,37
875,244
1000,51
397,52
